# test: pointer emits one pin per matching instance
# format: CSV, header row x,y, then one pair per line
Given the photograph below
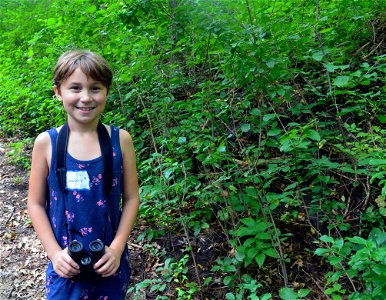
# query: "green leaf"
x,y
288,294
335,260
339,243
91,9
51,21
382,118
358,240
313,135
266,297
245,127
330,67
377,162
252,252
341,81
182,140
268,117
168,172
380,269
249,242
249,222
318,55
261,226
327,239
274,132
260,258
228,280
230,296
245,231
321,251
255,112
222,149
303,292
347,169
271,64
271,252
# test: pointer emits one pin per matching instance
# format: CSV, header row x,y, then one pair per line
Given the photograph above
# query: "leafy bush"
x,y
356,258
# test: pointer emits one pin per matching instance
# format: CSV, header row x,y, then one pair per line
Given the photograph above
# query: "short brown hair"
x,y
90,63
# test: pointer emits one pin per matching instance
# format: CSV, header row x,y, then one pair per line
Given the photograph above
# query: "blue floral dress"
x,y
88,216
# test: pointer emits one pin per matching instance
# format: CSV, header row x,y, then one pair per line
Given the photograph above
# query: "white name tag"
x,y
77,180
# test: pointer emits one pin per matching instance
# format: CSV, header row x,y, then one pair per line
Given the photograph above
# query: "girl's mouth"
x,y
85,108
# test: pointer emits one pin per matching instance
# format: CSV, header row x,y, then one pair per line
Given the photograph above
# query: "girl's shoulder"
x,y
126,143
43,139
42,146
44,142
122,134
125,137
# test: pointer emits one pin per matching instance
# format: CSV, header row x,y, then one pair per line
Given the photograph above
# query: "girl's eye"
x,y
96,88
75,88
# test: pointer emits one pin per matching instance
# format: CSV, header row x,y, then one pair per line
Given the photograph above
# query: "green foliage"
x,y
288,293
356,257
171,272
18,153
255,119
258,245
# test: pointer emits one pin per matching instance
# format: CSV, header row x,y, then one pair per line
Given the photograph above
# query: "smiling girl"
x,y
83,211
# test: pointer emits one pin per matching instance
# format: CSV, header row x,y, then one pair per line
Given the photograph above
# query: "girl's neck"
x,y
83,143
81,128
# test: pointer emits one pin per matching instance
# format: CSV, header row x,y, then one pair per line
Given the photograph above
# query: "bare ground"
x,y
22,257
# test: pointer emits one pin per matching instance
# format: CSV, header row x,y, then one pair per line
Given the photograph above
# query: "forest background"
x,y
259,128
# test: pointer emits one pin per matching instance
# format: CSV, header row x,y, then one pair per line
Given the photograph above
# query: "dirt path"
x,y
22,260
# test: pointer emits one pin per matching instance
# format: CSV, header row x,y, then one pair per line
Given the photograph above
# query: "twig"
x,y
134,245
150,124
188,235
317,284
372,51
274,236
121,99
10,215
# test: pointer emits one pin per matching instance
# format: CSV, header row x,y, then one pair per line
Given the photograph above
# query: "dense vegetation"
x,y
259,129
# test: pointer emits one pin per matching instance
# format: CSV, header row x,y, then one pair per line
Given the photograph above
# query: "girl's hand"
x,y
64,265
109,262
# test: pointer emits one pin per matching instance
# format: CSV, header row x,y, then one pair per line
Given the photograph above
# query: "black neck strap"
x,y
106,150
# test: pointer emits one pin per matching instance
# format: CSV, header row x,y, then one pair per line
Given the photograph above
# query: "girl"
x,y
83,211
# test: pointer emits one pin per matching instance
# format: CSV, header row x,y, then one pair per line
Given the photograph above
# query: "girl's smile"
x,y
85,109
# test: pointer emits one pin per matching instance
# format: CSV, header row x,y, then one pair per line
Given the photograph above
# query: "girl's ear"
x,y
57,93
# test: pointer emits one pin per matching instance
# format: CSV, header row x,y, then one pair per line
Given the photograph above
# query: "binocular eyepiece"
x,y
86,259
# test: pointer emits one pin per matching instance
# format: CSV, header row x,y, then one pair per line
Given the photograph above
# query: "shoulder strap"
x,y
107,154
106,150
61,151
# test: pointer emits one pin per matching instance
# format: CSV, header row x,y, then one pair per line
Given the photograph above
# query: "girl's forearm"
x,y
43,229
126,224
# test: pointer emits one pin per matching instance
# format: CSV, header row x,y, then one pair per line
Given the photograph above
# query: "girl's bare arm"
x,y
130,192
108,265
41,156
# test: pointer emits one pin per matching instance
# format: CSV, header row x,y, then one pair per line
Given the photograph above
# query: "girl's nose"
x,y
86,96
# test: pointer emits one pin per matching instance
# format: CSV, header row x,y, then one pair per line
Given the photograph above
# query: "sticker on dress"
x,y
77,180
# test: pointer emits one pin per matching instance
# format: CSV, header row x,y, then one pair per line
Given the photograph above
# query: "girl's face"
x,y
83,98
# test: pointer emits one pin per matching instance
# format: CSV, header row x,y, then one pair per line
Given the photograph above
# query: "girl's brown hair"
x,y
90,63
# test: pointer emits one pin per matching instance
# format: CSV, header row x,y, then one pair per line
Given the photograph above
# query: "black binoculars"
x,y
86,259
